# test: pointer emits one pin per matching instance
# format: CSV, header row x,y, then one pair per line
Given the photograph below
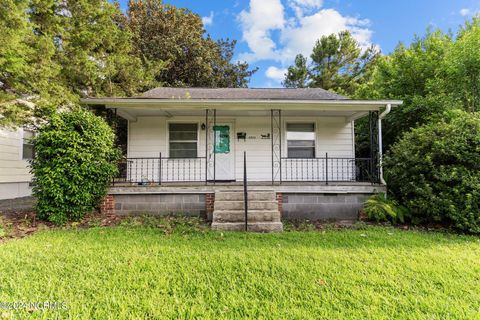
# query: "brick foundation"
x,y
107,207
280,202
209,204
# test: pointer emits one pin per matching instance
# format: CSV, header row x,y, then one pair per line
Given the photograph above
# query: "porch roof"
x,y
239,101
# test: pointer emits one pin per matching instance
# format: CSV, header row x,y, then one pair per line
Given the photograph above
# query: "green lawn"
x,y
130,271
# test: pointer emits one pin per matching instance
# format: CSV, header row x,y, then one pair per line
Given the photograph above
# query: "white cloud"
x,y
257,23
308,3
276,74
300,7
465,12
302,38
296,34
208,21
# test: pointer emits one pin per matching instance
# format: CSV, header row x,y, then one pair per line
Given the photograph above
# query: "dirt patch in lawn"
x,y
18,224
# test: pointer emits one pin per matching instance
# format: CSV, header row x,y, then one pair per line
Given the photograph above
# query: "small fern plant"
x,y
380,209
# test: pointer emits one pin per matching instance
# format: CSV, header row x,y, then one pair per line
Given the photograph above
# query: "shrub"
x,y
74,163
380,209
434,171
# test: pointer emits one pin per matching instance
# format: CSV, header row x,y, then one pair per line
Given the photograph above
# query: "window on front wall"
x,y
27,148
183,140
301,140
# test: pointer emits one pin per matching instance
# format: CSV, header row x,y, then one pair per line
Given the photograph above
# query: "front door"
x,y
224,152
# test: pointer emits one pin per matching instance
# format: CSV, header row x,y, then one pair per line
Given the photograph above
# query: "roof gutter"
x,y
380,143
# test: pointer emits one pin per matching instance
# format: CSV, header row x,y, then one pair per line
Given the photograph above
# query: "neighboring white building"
x,y
15,151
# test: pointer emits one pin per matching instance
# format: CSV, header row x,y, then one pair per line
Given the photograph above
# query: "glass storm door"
x,y
224,152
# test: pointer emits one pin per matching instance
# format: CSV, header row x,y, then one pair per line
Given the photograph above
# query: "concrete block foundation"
x,y
162,204
313,202
322,206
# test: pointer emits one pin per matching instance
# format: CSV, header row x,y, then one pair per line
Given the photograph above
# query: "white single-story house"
x,y
15,151
189,150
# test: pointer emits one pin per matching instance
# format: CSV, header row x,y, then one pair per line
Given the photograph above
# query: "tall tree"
x,y
175,35
297,75
409,73
47,86
338,63
459,74
92,47
226,74
55,51
14,57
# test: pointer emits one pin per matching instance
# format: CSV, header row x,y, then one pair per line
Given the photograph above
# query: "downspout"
x,y
380,143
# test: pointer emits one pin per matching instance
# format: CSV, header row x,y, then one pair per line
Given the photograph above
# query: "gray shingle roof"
x,y
241,94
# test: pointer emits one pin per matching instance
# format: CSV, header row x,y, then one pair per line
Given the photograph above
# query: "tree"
x,y
92,47
297,75
460,68
73,165
95,52
176,36
225,73
409,73
22,71
337,63
433,74
14,51
64,50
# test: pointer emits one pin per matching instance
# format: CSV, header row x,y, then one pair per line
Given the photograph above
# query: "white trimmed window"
x,y
183,140
301,140
27,145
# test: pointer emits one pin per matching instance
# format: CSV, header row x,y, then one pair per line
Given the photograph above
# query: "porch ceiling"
x,y
132,114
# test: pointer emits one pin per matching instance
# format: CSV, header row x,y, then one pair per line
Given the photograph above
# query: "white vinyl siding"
x,y
12,167
148,136
335,137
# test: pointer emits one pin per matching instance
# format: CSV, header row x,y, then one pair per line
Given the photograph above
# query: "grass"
x,y
177,269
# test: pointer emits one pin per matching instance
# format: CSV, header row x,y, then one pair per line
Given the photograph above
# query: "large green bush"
x,y
74,163
434,171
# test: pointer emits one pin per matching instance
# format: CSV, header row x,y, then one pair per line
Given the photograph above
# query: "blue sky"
x,y
271,32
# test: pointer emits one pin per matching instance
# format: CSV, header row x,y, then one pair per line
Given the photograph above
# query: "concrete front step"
x,y
240,205
263,214
252,215
253,226
238,196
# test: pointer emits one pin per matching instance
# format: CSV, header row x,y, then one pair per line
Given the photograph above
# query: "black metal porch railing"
x,y
148,171
157,170
328,170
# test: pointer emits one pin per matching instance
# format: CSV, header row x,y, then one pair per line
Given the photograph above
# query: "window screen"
x,y
27,148
301,140
183,140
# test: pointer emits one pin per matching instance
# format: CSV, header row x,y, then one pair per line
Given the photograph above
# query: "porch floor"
x,y
285,187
